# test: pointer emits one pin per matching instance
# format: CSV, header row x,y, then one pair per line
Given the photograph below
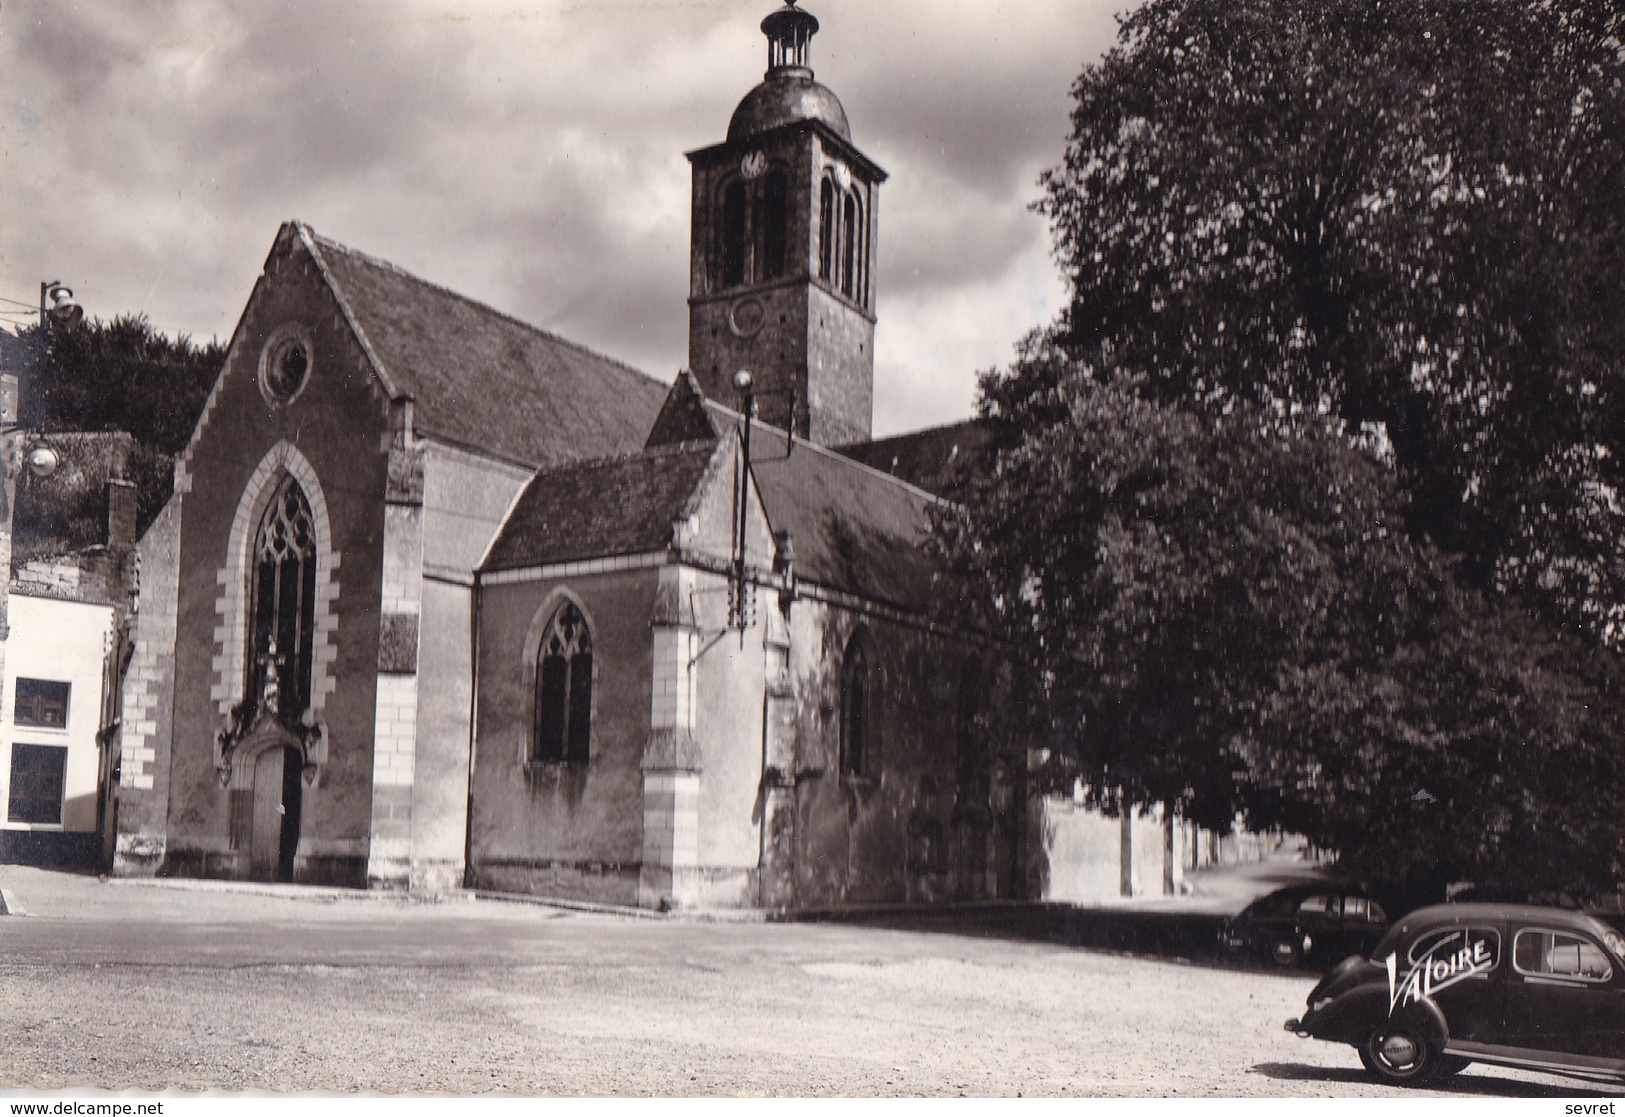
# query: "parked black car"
x,y
1306,921
1513,985
1608,908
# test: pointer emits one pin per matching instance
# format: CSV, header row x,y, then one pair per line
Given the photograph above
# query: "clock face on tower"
x,y
746,317
753,164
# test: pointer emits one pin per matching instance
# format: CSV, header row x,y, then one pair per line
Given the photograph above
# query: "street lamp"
x,y
42,461
57,308
57,305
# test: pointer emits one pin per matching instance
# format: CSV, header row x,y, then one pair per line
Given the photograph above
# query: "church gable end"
x,y
299,415
683,417
274,354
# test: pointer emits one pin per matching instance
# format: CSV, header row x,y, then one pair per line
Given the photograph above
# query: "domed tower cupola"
x,y
789,31
784,228
788,92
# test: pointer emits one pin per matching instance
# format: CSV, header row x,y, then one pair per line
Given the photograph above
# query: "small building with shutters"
x,y
67,612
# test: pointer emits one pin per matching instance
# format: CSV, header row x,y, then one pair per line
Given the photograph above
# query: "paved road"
x,y
140,986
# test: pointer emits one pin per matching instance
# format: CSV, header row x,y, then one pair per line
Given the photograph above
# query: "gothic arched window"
x,y
770,223
733,234
860,253
283,596
857,710
563,723
969,760
849,244
826,229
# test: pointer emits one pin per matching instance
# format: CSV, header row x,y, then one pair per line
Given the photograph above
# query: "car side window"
x,y
1319,905
1478,948
1540,953
1359,908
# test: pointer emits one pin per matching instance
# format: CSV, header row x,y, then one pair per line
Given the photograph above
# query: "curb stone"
x,y
306,892
676,915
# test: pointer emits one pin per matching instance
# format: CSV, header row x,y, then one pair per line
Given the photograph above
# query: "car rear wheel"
x,y
1397,1054
1284,950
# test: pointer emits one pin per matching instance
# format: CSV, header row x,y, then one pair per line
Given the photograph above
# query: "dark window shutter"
x,y
38,775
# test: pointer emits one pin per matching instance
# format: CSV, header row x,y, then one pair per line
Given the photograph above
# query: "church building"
x,y
442,599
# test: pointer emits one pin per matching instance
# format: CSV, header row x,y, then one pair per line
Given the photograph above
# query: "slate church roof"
x,y
854,529
625,505
933,459
480,378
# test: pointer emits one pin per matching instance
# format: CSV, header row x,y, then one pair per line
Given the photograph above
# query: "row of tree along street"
x,y
1327,444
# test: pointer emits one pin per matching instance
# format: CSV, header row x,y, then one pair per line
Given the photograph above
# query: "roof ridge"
x,y
667,450
313,244
834,455
968,422
386,265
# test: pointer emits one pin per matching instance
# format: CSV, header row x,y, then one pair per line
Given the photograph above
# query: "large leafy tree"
x,y
1226,616
1179,562
1327,443
1412,213
1485,748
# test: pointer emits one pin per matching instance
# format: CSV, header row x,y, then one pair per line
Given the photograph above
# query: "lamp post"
x,y
57,309
744,384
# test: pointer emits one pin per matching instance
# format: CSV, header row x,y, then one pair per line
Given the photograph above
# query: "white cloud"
x,y
528,153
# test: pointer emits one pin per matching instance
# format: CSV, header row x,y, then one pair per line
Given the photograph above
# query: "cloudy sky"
x,y
528,153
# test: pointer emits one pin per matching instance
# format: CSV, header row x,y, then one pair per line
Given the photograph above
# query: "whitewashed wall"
x,y
62,641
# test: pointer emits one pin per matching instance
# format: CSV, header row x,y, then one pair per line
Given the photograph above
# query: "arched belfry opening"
x,y
782,250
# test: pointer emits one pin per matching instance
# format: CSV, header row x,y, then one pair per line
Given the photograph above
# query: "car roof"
x,y
1315,888
1450,914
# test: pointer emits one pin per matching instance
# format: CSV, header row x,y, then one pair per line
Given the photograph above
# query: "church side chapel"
x,y
442,599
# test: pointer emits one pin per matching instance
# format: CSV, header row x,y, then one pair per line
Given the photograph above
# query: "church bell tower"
x,y
782,256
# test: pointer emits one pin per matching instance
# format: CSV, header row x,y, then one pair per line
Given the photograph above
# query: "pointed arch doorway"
x,y
277,801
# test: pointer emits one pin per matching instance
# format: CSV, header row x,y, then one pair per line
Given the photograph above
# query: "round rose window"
x,y
285,365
